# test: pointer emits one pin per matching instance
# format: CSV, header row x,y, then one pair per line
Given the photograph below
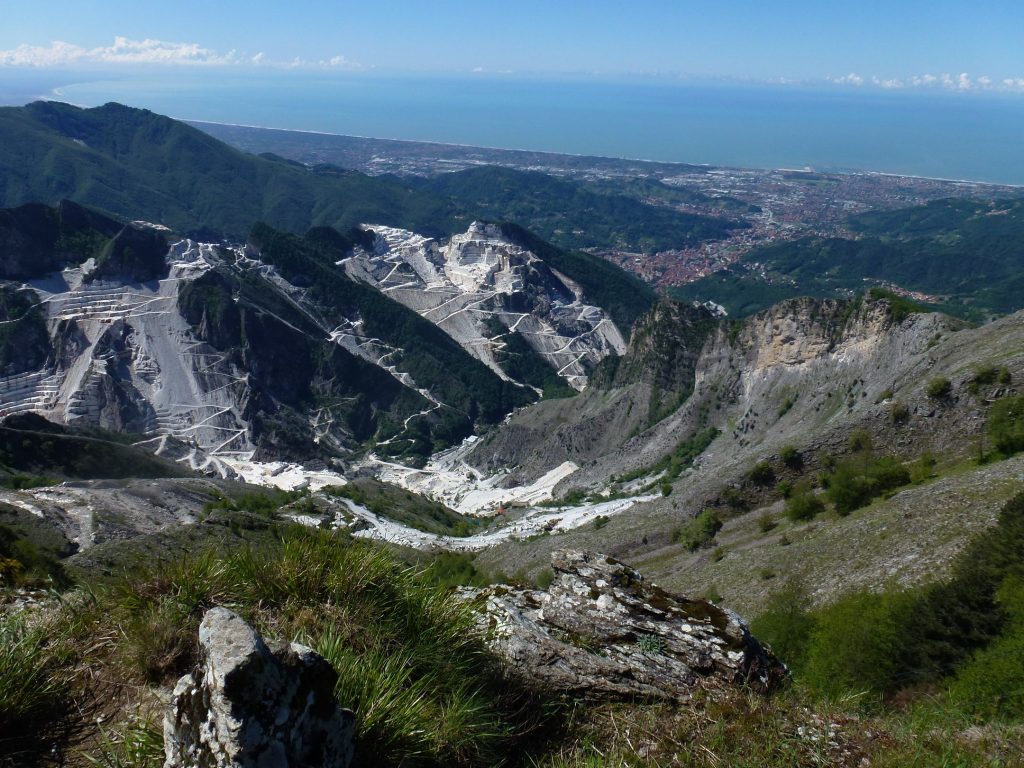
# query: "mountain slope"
x,y
140,165
808,382
497,299
273,350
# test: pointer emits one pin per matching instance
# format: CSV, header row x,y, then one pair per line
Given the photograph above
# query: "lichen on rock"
x,y
248,707
602,631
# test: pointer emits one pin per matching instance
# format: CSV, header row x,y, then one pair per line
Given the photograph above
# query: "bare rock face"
x,y
248,707
601,631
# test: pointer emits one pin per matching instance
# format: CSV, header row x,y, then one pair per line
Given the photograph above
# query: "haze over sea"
x,y
970,136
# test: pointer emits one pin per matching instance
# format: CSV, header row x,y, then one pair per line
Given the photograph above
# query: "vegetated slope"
x,y
463,390
810,380
141,165
652,190
34,450
24,340
627,395
572,215
968,254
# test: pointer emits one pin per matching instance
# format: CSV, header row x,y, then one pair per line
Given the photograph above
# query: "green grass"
x,y
410,660
32,692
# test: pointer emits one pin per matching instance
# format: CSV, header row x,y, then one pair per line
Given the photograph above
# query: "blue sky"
x,y
900,43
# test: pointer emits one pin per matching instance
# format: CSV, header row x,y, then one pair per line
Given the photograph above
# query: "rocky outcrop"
x,y
247,706
602,631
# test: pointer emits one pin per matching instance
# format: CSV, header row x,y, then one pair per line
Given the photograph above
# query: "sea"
x,y
965,136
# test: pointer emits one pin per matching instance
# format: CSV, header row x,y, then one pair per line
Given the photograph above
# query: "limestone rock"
x,y
601,631
248,707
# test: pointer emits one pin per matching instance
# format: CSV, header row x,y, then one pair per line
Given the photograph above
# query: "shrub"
x,y
700,530
666,489
734,499
988,375
962,615
601,521
762,474
859,479
992,682
939,388
545,578
923,468
766,523
713,595
791,457
899,413
786,624
1006,424
786,406
860,440
804,506
856,645
454,569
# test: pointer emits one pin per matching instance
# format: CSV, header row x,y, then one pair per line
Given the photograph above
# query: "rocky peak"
x,y
602,631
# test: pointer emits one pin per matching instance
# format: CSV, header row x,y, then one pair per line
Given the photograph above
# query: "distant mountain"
x,y
572,215
140,165
967,256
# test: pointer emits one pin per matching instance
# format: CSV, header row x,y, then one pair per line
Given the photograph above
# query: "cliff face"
x,y
805,371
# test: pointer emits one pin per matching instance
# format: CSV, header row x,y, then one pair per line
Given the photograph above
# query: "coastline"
x,y
457,145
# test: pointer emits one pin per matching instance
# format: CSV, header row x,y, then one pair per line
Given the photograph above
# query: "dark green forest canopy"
x,y
574,215
140,165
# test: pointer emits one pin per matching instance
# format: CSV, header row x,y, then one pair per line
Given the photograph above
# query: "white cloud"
x,y
889,84
123,51
851,79
340,62
126,51
962,82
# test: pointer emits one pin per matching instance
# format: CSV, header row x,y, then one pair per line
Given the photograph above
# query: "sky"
x,y
895,44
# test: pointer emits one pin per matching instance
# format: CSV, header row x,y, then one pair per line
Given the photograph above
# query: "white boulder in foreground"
x,y
248,707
